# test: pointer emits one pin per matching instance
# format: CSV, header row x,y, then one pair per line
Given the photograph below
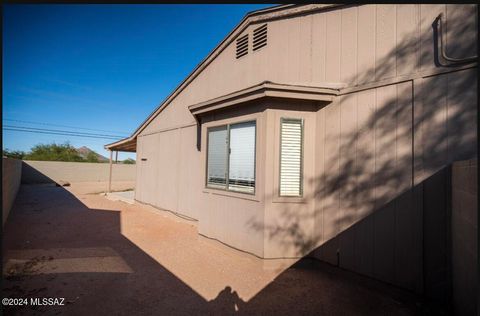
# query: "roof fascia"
x,y
263,90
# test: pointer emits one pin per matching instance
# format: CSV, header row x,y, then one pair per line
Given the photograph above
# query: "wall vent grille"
x,y
260,37
242,46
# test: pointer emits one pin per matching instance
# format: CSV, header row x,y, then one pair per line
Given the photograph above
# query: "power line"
x,y
61,131
63,134
67,126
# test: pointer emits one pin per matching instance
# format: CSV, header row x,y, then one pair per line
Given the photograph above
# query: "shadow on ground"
x,y
55,246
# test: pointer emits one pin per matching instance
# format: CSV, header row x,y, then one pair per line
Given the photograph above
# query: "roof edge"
x,y
125,144
267,89
247,20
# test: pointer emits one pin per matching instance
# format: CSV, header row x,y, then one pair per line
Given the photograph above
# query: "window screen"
x,y
242,157
291,151
217,157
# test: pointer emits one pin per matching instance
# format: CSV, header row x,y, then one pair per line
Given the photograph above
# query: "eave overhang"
x,y
268,90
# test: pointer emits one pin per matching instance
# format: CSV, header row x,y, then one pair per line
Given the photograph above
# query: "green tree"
x,y
92,157
54,152
16,154
129,161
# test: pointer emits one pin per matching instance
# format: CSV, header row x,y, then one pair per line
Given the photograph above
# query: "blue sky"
x,y
100,67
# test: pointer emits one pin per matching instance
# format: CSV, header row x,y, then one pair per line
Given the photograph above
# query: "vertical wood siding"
x,y
379,153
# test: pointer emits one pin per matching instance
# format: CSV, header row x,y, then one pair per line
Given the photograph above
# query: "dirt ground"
x,y
111,258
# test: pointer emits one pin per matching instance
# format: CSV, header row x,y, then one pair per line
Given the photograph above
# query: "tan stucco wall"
x,y
375,156
464,237
12,172
54,171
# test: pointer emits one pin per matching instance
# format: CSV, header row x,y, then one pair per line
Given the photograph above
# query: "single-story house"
x,y
324,130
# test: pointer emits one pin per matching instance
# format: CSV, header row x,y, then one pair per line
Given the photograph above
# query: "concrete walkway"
x,y
124,196
112,258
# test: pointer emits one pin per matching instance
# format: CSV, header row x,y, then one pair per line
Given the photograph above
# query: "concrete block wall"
x,y
53,171
12,173
464,228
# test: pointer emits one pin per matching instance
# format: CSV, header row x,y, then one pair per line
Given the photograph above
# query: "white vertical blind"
x,y
217,157
242,157
291,157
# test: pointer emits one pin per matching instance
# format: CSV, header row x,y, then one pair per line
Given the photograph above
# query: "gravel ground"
x,y
111,258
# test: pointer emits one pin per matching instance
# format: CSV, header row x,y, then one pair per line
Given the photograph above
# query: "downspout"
x,y
442,46
198,120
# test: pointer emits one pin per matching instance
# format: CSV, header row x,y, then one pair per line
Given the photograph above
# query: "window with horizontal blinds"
x,y
217,157
231,157
291,157
241,167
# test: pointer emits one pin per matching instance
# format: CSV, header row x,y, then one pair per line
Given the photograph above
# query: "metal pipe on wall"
x,y
442,46
110,175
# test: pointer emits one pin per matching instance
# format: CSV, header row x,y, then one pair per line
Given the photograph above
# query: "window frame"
x,y
227,180
302,140
217,127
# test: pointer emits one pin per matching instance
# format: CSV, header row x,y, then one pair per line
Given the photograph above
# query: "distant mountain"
x,y
84,151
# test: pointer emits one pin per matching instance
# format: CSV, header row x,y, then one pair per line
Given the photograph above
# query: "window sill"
x,y
287,199
238,195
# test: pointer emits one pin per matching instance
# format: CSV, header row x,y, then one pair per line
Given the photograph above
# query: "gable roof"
x,y
258,16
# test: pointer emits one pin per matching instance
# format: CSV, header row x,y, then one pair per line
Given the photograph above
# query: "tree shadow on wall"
x,y
381,189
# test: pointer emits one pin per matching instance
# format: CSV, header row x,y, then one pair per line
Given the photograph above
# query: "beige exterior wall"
x,y
465,237
289,226
354,45
236,218
54,171
373,157
167,176
11,175
381,153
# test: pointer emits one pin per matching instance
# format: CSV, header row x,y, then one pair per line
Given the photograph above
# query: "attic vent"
x,y
242,46
260,37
